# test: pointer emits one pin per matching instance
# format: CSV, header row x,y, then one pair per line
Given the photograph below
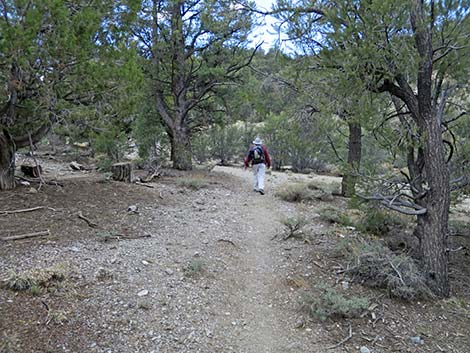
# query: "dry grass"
x,y
35,280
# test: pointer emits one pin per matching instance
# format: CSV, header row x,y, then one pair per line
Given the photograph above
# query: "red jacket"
x,y
267,159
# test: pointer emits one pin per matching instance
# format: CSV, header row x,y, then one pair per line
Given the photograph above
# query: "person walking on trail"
x,y
260,160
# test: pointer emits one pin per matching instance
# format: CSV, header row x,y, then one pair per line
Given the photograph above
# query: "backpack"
x,y
257,155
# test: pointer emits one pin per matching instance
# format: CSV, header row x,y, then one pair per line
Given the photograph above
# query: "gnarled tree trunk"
x,y
181,151
348,184
7,161
432,226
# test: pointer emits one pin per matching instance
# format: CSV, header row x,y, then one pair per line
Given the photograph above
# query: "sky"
x,y
266,33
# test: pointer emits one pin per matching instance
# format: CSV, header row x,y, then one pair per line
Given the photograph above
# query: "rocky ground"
x,y
193,267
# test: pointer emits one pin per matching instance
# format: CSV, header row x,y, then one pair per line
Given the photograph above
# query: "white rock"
x,y
143,293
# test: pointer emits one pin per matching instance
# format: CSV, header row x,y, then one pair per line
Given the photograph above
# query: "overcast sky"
x,y
267,32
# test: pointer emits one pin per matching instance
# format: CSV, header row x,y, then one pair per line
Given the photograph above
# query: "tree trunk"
x,y
432,226
7,161
181,152
348,184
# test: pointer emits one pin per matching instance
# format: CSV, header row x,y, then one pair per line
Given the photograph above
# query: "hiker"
x,y
259,158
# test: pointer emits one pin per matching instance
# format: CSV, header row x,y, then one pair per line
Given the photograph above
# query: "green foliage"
x,y
329,303
374,264
151,136
194,267
224,143
378,221
294,140
335,215
53,50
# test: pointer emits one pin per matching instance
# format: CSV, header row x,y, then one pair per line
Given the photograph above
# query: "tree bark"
x,y
181,151
7,161
432,227
348,184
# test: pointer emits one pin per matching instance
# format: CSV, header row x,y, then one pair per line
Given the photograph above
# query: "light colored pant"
x,y
258,172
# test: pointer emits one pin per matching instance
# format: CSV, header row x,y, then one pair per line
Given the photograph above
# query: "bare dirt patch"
x,y
195,270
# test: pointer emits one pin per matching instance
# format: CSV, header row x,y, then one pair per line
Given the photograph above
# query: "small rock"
x,y
169,272
145,262
364,349
74,249
143,293
417,340
345,285
132,209
25,183
32,191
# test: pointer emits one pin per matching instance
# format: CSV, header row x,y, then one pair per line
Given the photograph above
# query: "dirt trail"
x,y
256,280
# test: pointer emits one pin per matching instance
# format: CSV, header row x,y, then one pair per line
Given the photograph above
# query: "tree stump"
x,y
31,170
122,172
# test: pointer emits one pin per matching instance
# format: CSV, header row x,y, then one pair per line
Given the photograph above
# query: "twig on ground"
x,y
21,211
25,236
90,223
228,241
343,340
317,264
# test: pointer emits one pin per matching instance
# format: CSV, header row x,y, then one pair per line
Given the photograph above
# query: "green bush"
x,y
334,215
329,303
378,221
375,265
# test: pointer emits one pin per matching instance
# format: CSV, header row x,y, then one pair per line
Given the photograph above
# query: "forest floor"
x,y
195,268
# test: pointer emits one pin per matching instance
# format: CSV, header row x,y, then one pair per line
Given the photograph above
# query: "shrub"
x,y
334,215
299,192
293,227
332,304
194,183
377,221
194,267
375,265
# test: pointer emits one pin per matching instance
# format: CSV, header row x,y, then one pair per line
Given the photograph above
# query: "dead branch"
x,y
343,340
393,203
90,223
25,236
143,184
21,211
155,174
48,182
398,273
